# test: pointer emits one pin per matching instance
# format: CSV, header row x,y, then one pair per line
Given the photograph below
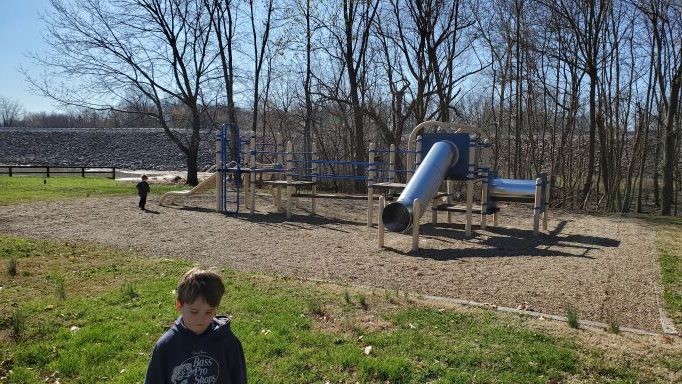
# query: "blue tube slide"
x,y
398,216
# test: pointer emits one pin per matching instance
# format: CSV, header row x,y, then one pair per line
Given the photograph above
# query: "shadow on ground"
x,y
507,242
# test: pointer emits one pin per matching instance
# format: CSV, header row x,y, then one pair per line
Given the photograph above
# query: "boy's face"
x,y
196,315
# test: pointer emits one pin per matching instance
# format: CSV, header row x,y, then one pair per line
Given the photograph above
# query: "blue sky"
x,y
21,32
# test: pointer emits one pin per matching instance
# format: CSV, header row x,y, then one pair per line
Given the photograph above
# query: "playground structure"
x,y
203,187
451,153
456,153
282,166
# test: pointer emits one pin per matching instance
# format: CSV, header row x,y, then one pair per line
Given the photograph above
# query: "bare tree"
x,y
358,18
10,111
586,21
224,25
259,51
161,49
307,11
666,25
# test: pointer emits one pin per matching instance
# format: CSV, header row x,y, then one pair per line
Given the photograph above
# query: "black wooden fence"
x,y
57,170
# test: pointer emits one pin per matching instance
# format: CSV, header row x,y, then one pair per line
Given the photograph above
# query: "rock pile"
x,y
120,148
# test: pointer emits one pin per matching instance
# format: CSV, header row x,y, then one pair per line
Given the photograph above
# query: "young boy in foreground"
x,y
200,347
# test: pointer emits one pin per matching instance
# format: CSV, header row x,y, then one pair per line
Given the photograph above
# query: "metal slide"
x,y
521,191
398,216
202,187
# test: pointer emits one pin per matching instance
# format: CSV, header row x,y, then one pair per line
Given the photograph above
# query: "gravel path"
x,y
602,266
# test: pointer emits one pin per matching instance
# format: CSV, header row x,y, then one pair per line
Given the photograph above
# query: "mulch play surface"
x,y
605,267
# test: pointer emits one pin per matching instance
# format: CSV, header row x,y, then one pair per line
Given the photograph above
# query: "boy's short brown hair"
x,y
198,283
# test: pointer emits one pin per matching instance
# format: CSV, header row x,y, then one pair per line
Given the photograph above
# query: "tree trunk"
x,y
593,129
625,208
670,143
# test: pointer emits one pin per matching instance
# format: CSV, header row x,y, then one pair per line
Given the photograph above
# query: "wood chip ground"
x,y
605,267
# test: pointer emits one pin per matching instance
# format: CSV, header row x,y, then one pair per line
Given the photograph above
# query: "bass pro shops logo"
x,y
200,369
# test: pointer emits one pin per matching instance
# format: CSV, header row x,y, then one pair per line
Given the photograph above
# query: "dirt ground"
x,y
605,267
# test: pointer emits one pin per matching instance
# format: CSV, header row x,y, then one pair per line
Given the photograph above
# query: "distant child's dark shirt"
x,y
181,356
142,188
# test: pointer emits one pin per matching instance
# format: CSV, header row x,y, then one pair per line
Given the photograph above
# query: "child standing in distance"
x,y
142,191
199,347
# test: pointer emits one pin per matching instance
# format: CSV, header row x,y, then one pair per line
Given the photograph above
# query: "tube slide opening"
x,y
396,217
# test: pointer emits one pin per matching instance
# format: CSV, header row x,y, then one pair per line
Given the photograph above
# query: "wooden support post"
x,y
315,171
417,156
370,183
470,205
415,159
484,197
391,166
415,225
380,222
546,207
279,148
537,207
252,174
290,178
434,213
278,197
470,186
246,184
450,187
219,177
279,161
495,221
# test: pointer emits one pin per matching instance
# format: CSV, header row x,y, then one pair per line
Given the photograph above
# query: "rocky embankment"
x,y
133,148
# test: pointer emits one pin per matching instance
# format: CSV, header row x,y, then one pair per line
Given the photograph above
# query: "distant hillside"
x,y
122,148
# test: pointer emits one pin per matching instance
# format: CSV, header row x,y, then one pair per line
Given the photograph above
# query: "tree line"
x,y
587,90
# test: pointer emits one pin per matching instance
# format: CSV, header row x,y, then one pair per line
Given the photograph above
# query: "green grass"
x,y
11,267
572,317
292,331
28,188
668,235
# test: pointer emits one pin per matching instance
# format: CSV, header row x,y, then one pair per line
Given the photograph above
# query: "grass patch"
x,y
28,188
362,299
104,330
614,323
17,325
315,306
572,317
129,291
12,266
668,235
347,298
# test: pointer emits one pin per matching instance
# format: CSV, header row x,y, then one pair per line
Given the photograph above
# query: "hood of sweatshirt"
x,y
220,326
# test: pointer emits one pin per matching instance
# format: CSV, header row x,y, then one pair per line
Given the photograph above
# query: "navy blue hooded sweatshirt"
x,y
183,357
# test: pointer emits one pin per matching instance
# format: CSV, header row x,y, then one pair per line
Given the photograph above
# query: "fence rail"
x,y
57,170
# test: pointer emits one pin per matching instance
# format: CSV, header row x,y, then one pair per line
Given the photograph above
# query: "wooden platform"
x,y
456,208
389,185
330,196
256,170
284,183
461,208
